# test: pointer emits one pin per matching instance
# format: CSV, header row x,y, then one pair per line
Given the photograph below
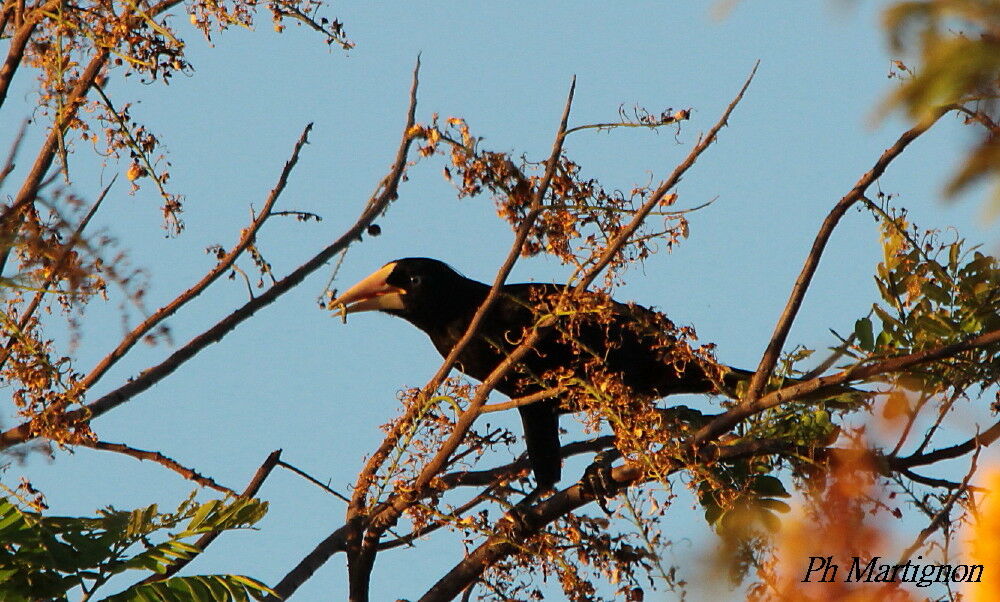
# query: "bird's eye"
x,y
415,280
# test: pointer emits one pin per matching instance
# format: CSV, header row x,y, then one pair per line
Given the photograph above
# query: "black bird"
x,y
441,302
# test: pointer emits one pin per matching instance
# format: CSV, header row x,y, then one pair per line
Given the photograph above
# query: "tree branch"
x,y
654,199
205,540
385,193
141,454
18,42
246,239
11,217
313,480
941,518
523,400
983,439
338,540
724,422
784,324
531,520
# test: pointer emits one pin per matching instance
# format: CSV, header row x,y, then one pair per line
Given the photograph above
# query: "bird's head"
x,y
412,288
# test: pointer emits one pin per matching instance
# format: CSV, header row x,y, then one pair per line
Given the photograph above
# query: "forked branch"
x,y
770,357
376,205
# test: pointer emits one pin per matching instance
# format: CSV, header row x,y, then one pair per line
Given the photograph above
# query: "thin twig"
x,y
482,496
8,165
666,186
141,454
314,481
941,518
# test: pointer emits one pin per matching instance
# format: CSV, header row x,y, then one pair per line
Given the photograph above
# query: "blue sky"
x,y
296,378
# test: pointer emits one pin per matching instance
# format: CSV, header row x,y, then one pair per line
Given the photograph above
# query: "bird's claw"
x,y
598,483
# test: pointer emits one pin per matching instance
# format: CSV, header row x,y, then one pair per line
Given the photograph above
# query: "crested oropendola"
x,y
441,302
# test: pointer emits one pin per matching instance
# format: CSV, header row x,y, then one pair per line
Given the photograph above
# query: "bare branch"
x,y
336,542
784,324
313,480
385,193
246,239
724,422
942,483
205,540
654,199
140,454
983,439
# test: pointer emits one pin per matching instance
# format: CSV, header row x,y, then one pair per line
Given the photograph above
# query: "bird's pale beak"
x,y
372,293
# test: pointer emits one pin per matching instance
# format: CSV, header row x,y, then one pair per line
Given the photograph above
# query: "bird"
x,y
441,302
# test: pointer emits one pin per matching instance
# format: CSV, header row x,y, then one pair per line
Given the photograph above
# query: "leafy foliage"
x,y
47,557
934,292
957,46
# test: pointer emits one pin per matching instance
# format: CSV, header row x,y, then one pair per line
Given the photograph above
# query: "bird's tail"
x,y
541,433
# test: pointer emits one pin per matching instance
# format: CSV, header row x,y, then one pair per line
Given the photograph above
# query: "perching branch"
x,y
531,520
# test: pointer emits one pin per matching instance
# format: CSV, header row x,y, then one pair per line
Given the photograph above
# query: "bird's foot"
x,y
599,484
